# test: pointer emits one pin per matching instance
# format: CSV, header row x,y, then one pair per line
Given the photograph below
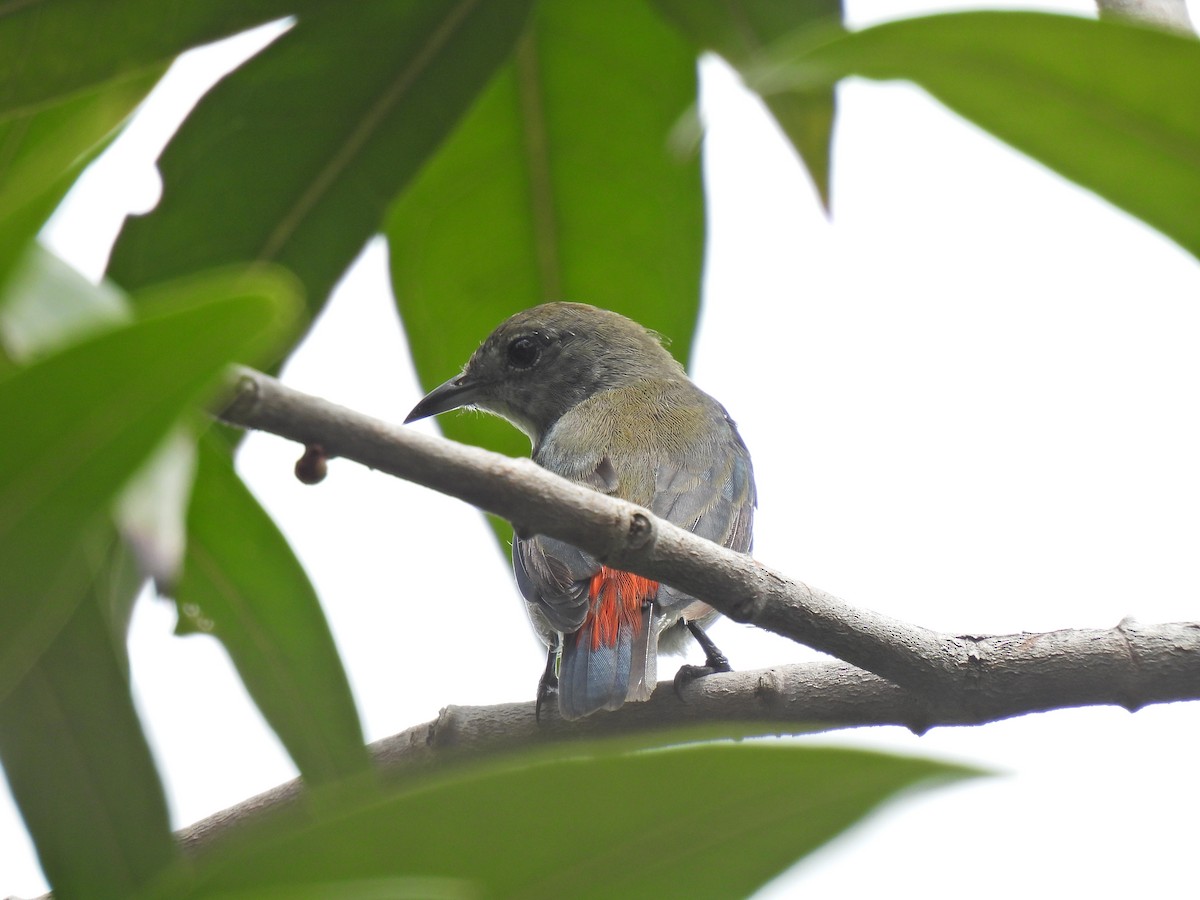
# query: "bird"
x,y
606,405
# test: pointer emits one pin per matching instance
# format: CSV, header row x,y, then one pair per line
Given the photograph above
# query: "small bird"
x,y
605,405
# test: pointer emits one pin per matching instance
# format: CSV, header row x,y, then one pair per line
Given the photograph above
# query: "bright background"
x,y
971,400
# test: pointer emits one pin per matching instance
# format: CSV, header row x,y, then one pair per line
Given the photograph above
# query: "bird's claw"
x,y
714,661
687,674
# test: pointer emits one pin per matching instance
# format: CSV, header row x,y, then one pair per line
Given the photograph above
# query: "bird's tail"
x,y
613,657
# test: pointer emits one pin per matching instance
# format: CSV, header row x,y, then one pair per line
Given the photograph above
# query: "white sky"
x,y
971,404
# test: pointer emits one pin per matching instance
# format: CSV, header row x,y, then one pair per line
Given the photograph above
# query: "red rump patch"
x,y
617,598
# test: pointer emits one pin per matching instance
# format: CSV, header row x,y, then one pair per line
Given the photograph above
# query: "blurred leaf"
x,y
1111,106
89,416
72,746
712,820
19,228
558,186
43,152
740,30
296,156
151,511
49,305
242,583
399,888
38,147
54,48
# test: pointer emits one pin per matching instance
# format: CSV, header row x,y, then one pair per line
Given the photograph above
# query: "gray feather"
x,y
554,577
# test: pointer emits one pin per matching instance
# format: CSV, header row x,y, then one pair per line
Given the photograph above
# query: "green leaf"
x,y
54,48
740,30
88,416
39,147
558,185
151,511
242,583
72,746
43,152
399,888
296,156
712,820
1111,106
49,305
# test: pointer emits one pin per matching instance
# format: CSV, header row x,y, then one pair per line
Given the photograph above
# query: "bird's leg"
x,y
714,660
548,683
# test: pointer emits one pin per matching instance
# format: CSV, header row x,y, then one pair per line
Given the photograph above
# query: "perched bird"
x,y
606,406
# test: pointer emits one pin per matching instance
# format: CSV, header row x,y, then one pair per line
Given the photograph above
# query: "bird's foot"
x,y
714,661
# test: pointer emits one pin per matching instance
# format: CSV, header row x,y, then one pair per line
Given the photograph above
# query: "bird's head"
x,y
541,362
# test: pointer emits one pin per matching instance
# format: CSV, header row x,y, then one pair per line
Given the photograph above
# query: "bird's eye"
x,y
524,352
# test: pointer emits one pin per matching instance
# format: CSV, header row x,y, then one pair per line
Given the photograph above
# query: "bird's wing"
x,y
553,577
710,491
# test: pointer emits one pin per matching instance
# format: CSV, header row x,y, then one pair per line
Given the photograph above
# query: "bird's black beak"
x,y
456,392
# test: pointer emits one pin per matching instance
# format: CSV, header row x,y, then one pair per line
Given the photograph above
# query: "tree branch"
x,y
917,678
1126,666
966,672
